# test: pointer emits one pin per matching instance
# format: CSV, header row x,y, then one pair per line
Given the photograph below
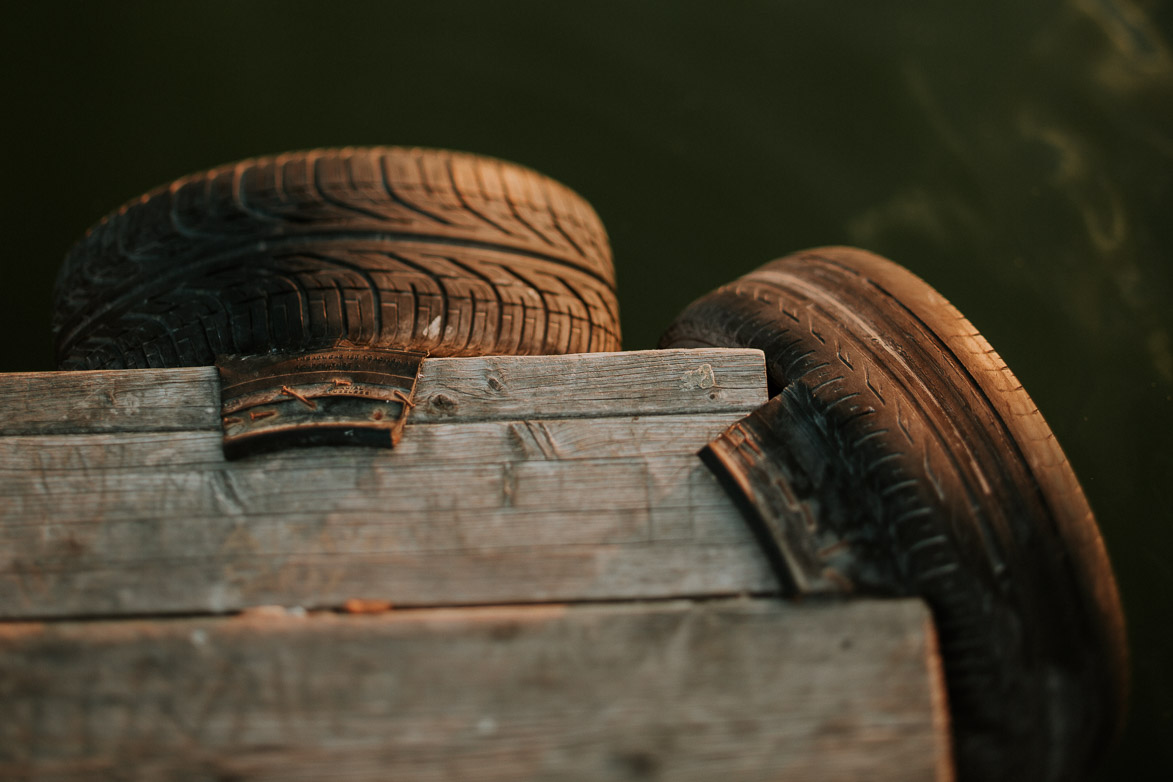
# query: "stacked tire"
x,y
449,253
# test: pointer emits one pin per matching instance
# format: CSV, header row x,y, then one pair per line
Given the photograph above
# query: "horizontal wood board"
x,y
730,690
649,382
128,400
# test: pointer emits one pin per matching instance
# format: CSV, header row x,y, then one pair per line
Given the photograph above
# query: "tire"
x,y
445,252
906,436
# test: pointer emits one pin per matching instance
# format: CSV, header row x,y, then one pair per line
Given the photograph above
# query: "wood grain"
x,y
524,481
465,513
652,382
731,690
128,400
648,382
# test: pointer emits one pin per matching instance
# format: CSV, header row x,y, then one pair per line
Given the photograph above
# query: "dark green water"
x,y
1018,155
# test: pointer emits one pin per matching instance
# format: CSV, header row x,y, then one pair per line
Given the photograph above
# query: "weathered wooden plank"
x,y
648,382
740,690
429,578
653,382
466,513
474,441
130,400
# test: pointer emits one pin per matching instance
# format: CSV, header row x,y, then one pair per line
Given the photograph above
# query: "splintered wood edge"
x,y
735,689
584,385
942,724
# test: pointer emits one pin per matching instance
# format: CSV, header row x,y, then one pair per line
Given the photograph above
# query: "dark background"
x,y
1018,155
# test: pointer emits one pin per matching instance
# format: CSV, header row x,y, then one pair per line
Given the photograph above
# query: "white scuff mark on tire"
x,y
433,329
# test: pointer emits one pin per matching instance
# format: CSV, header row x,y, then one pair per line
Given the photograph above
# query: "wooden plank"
x,y
129,400
648,382
738,690
470,513
477,441
653,382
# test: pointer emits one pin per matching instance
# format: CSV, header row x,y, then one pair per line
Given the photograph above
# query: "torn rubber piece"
x,y
806,516
339,396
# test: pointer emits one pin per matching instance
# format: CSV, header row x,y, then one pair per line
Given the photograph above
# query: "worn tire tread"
x,y
952,475
448,252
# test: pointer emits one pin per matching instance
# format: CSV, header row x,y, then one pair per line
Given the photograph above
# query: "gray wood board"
x,y
648,382
463,513
652,382
731,690
128,400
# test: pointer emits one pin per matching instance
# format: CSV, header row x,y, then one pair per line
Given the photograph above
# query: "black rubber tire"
x,y
952,474
451,253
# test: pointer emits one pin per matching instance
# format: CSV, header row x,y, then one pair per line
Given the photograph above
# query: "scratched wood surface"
x,y
558,485
731,690
142,400
649,382
585,487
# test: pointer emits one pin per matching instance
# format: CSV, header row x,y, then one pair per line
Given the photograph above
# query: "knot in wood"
x,y
442,403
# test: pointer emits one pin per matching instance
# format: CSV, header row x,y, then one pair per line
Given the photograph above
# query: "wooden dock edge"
x,y
167,614
744,689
